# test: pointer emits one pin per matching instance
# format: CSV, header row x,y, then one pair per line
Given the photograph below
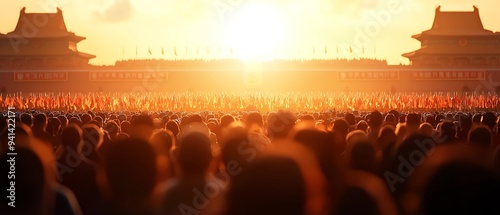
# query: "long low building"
x,y
457,54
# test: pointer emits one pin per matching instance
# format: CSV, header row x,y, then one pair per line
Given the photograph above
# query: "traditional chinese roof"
x,y
454,51
456,23
35,32
42,25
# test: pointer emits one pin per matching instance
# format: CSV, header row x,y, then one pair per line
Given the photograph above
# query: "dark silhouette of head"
x,y
351,120
461,188
53,126
413,120
27,119
130,169
376,119
126,127
280,124
448,131
29,183
235,149
389,118
71,136
269,185
173,127
142,127
40,121
489,119
363,156
226,120
112,128
162,142
195,155
480,136
476,118
341,126
362,126
254,118
93,137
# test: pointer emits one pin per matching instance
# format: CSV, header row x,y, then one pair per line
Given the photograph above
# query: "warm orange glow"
x,y
256,32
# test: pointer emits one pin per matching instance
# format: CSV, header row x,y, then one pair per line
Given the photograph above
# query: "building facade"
x,y
41,41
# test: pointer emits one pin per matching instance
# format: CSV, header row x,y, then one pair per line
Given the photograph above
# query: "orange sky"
x,y
247,28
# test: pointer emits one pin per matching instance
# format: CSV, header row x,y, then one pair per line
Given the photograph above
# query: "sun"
x,y
256,32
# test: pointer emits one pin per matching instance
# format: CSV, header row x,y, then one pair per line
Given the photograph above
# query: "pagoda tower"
x,y
41,41
457,39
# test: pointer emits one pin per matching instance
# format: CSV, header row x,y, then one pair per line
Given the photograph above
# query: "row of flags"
x,y
231,51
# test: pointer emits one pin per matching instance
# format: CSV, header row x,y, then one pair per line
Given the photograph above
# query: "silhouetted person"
x,y
129,169
279,124
465,125
33,193
27,119
480,136
376,120
461,188
39,130
143,127
186,194
75,171
271,185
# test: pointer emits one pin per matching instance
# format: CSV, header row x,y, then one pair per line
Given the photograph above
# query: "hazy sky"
x,y
247,28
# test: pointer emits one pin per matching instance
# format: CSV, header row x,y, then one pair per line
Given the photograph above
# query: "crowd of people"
x,y
248,162
200,101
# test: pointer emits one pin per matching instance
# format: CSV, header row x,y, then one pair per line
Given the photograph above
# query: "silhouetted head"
x,y
390,118
142,127
341,126
29,183
112,128
476,118
40,121
376,119
195,154
280,124
93,137
269,185
27,119
351,120
461,188
86,118
426,129
489,119
130,169
480,136
53,126
254,118
71,136
173,127
465,123
413,120
448,130
237,151
363,156
226,120
195,118
125,127
162,142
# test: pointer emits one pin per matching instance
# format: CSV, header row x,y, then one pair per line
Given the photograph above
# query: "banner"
x,y
448,75
368,76
126,76
40,76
